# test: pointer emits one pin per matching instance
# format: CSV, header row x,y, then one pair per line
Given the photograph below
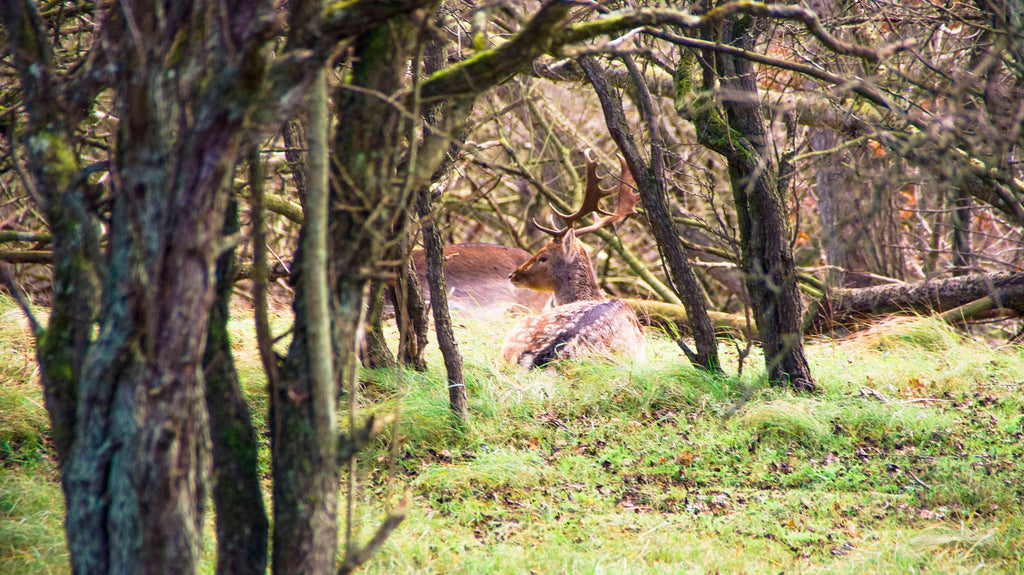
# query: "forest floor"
x,y
907,460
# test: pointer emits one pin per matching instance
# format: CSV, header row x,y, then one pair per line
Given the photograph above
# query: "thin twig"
x,y
19,296
354,560
918,479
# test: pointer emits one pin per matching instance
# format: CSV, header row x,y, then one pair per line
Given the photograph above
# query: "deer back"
x,y
476,276
585,327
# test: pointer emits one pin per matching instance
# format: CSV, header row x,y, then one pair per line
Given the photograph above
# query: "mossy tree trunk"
x,y
122,356
242,524
734,127
435,57
303,398
650,179
361,207
376,353
439,304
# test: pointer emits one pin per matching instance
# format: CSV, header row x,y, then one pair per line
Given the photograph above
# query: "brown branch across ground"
x,y
846,306
953,300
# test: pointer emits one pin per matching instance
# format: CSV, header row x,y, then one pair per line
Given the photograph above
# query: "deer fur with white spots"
x,y
583,321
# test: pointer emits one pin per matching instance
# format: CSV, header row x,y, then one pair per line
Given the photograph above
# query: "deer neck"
x,y
579,284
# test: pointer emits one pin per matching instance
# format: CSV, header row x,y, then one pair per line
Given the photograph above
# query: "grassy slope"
x,y
907,460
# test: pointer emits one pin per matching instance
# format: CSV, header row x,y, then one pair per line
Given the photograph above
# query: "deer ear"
x,y
569,242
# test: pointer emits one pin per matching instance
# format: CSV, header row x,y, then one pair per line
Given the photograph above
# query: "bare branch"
x,y
618,22
27,257
19,296
354,560
492,67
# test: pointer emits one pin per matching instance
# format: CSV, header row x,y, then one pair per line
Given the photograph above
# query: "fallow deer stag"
x,y
583,320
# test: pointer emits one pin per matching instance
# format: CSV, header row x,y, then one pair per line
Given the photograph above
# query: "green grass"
x,y
907,460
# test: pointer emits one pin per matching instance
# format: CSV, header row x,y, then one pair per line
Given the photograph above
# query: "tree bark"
x,y
960,218
127,400
121,358
651,183
439,304
848,306
411,314
736,130
304,438
376,353
437,117
242,524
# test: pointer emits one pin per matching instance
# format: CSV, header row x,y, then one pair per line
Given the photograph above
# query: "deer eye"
x,y
543,259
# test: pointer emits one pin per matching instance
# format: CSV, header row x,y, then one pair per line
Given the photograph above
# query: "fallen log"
x,y
955,299
672,317
844,307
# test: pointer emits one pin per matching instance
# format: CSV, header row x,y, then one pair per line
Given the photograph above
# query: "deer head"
x,y
563,265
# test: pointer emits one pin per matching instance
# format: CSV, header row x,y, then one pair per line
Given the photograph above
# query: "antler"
x,y
628,199
591,198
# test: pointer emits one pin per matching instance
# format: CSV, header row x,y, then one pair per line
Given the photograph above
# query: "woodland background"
x,y
161,160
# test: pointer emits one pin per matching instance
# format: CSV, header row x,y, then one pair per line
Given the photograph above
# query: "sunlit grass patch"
x,y
486,471
938,548
907,459
914,358
24,426
31,521
17,345
24,423
909,333
801,420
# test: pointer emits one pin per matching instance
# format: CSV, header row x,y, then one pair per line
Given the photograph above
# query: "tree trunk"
x,y
435,57
736,130
305,483
847,306
242,524
305,443
650,180
411,314
376,353
122,362
963,259
439,304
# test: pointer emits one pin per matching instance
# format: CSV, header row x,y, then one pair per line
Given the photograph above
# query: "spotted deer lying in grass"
x,y
583,320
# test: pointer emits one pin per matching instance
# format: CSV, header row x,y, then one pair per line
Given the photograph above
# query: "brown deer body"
x,y
583,320
476,275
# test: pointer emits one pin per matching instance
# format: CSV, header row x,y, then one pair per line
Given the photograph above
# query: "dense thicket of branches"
x,y
788,149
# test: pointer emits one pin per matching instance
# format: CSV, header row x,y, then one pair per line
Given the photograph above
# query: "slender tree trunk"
x,y
242,524
294,135
963,259
736,130
650,180
305,467
305,483
828,184
375,349
411,315
439,304
435,57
